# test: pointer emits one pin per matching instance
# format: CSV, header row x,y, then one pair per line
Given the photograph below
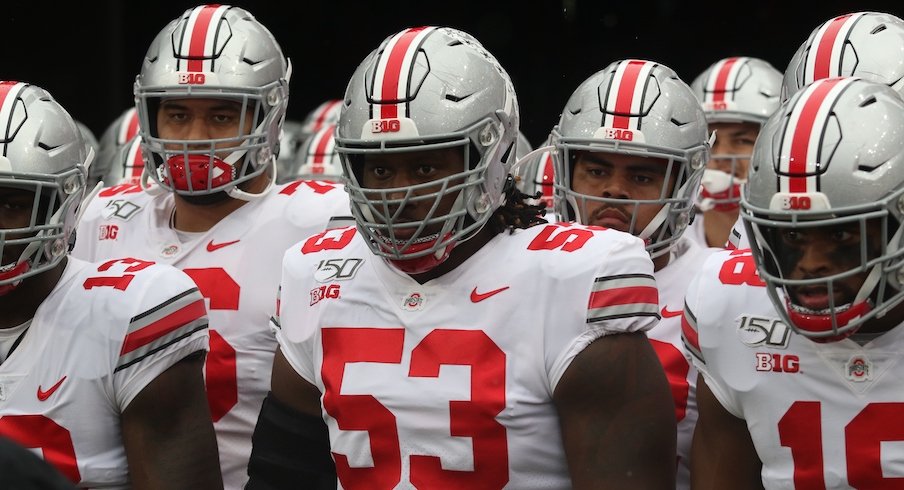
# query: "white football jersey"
x,y
450,383
821,415
686,259
236,265
104,333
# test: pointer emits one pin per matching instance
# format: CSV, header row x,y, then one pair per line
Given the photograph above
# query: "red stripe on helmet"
x,y
322,115
137,163
133,126
548,173
722,80
5,88
198,38
800,144
823,61
393,72
325,137
625,95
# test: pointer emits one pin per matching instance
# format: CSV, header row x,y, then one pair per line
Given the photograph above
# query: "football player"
x,y
737,94
631,147
859,44
100,363
798,339
209,121
452,339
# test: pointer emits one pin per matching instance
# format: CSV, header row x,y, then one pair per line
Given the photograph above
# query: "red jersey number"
x,y
562,237
474,418
740,269
221,376
40,432
800,429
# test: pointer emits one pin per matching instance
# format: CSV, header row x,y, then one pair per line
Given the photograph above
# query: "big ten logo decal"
x,y
108,232
797,202
618,134
777,363
385,126
120,208
337,269
324,292
191,78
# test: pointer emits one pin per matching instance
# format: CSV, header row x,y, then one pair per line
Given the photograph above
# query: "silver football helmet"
x,y
44,152
326,113
213,52
317,159
536,175
641,108
832,155
734,90
428,88
868,45
290,141
127,166
113,164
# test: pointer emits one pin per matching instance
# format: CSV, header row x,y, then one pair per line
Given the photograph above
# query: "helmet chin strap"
x,y
656,222
153,190
236,193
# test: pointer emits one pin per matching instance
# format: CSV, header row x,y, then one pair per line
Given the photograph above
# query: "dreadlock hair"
x,y
516,212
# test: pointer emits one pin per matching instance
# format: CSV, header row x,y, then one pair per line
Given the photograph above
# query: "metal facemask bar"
x,y
44,239
247,154
717,187
878,269
673,217
378,214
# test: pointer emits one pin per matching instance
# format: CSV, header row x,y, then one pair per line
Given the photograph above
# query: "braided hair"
x,y
517,212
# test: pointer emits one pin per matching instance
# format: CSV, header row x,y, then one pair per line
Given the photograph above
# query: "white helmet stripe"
x,y
9,117
199,37
824,57
321,144
323,112
723,79
802,138
625,95
395,64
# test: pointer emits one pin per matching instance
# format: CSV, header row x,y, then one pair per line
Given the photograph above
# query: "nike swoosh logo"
x,y
478,297
211,246
670,314
43,395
